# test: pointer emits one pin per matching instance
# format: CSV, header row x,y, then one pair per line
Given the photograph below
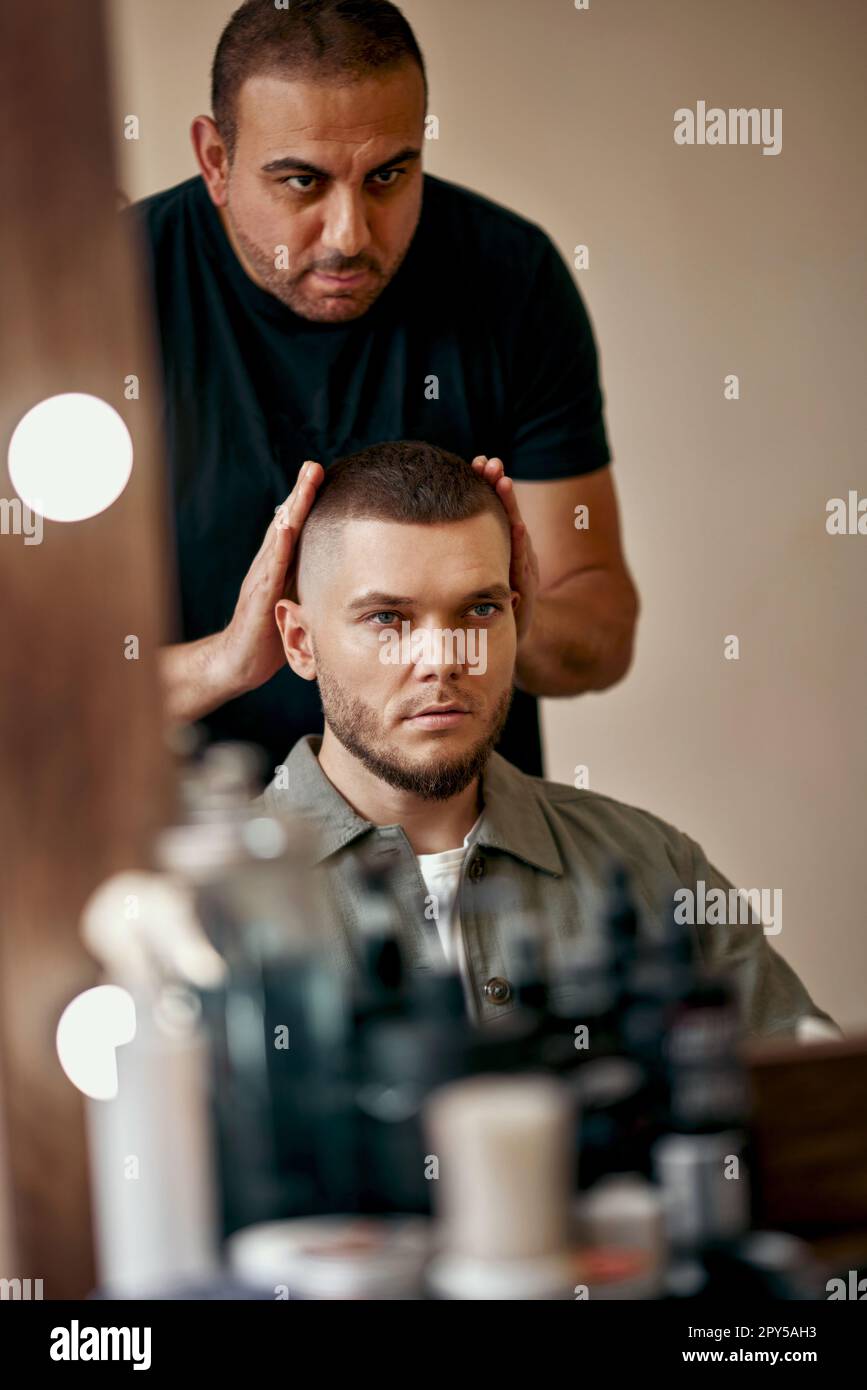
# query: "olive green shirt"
x,y
540,858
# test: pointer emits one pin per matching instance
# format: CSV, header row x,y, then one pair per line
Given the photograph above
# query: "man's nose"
x,y
439,652
346,228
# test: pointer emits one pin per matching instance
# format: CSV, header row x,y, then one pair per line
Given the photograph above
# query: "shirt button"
x,y
498,990
477,868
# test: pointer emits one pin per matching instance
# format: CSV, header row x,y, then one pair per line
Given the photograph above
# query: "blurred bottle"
x,y
618,1093
152,1165
261,909
706,1079
702,1161
621,1220
411,1034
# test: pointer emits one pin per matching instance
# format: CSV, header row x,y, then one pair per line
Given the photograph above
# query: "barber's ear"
x,y
295,636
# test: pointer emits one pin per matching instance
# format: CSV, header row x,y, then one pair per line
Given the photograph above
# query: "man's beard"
x,y
356,726
290,289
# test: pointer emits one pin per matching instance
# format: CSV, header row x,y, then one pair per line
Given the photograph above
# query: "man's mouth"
x,y
345,282
438,716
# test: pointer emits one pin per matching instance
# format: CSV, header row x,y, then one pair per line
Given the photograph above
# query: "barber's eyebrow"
x,y
302,166
375,599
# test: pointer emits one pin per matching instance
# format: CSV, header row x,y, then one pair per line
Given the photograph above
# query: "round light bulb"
x,y
90,1030
70,457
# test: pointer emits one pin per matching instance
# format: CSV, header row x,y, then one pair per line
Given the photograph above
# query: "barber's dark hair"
x,y
405,481
328,38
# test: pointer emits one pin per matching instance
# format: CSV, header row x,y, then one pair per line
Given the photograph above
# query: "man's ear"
x,y
212,157
294,628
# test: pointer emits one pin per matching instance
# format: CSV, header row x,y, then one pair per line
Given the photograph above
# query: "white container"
x,y
153,1181
333,1257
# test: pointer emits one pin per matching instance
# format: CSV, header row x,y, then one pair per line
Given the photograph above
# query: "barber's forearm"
x,y
196,679
581,637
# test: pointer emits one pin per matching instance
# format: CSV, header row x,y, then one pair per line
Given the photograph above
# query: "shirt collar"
x,y
512,818
310,794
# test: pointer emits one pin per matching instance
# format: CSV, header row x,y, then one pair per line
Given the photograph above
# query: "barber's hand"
x,y
524,570
251,647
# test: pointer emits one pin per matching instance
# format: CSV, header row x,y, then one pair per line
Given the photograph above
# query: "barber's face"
x,y
448,578
332,174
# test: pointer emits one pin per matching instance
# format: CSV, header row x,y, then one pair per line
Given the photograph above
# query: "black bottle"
x,y
615,1087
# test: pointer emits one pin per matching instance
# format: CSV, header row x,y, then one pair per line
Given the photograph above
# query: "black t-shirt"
x,y
483,302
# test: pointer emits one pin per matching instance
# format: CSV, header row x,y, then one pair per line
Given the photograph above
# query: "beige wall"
x,y
703,262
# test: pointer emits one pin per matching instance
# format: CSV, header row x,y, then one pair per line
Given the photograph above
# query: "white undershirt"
x,y
442,875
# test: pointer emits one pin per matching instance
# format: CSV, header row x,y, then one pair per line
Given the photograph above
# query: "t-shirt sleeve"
x,y
772,998
558,426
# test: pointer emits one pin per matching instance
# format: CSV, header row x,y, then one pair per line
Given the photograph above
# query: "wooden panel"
x,y
84,779
811,1135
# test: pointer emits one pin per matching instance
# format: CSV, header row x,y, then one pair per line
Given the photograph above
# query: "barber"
x,y
316,293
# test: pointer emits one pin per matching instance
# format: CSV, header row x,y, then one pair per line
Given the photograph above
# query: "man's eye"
x,y
391,175
303,183
300,182
390,618
494,607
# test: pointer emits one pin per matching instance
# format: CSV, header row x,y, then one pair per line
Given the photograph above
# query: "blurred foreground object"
x,y
197,947
85,778
504,1149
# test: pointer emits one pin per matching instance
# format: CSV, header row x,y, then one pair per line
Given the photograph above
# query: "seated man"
x,y
404,612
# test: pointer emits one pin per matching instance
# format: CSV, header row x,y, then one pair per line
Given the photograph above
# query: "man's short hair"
x,y
404,481
345,39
